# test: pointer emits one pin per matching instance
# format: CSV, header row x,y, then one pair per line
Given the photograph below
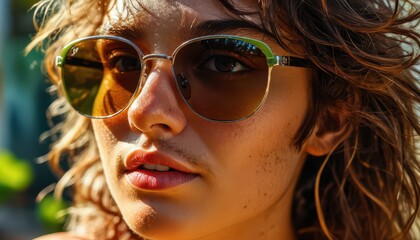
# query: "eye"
x,y
223,64
124,63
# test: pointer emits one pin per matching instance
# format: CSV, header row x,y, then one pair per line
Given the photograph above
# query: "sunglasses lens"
x,y
222,79
100,76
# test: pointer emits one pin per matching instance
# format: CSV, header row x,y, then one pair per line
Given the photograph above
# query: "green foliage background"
x,y
15,175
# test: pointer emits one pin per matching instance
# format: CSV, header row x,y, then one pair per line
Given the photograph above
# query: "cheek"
x,y
270,175
104,136
262,156
254,163
253,173
276,123
108,146
114,128
256,157
269,134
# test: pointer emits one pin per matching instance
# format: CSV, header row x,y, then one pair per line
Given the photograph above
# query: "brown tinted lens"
x,y
222,79
100,76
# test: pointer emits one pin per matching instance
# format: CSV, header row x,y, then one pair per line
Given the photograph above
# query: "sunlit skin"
x,y
246,171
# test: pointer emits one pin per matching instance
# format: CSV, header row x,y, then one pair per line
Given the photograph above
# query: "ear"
x,y
332,128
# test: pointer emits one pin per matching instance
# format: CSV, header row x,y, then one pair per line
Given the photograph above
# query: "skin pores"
x,y
246,171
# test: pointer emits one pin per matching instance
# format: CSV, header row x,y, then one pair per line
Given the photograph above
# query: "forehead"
x,y
179,18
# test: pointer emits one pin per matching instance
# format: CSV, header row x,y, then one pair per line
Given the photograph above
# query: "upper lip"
x,y
137,158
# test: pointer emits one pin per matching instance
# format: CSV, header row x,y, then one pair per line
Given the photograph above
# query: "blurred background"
x,y
23,103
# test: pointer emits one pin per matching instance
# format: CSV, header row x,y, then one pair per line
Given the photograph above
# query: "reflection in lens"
x,y
217,94
93,79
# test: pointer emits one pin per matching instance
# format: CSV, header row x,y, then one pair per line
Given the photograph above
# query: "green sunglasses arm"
x,y
59,61
275,60
288,61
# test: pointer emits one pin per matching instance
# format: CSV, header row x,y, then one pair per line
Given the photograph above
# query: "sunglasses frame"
x,y
272,60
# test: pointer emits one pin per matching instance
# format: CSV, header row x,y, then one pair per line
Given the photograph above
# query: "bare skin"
x,y
247,170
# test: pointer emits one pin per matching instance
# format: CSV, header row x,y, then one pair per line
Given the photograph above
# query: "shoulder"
x,y
61,236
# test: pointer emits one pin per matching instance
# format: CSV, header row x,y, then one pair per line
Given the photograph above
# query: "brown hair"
x,y
365,54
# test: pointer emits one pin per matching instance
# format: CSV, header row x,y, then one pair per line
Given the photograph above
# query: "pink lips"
x,y
146,179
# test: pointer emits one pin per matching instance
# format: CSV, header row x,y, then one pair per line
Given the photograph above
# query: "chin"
x,y
149,224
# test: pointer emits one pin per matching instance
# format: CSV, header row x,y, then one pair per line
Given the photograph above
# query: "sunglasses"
x,y
222,78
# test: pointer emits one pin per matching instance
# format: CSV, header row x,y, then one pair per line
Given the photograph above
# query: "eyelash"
x,y
240,58
237,46
113,56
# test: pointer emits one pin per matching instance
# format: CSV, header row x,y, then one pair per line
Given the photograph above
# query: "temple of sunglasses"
x,y
222,78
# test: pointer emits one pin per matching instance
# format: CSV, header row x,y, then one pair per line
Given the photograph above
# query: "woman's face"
x,y
228,180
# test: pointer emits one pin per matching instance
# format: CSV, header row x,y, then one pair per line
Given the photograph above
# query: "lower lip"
x,y
154,180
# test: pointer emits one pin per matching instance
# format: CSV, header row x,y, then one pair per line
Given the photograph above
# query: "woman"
x,y
235,119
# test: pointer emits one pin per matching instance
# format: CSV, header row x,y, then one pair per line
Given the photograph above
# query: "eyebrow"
x,y
126,31
222,26
208,27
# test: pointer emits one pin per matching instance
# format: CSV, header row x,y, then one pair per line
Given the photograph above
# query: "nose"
x,y
156,110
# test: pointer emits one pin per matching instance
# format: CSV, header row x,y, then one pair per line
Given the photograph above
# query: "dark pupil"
x,y
224,64
128,64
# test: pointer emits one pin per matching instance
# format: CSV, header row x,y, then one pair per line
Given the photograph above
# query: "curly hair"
x,y
365,54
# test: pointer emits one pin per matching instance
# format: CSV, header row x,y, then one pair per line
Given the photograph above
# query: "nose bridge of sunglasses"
x,y
154,56
148,66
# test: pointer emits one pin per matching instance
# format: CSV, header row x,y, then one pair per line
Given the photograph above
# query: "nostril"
x,y
162,126
161,132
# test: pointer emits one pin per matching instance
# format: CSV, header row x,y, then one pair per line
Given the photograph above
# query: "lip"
x,y
144,179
